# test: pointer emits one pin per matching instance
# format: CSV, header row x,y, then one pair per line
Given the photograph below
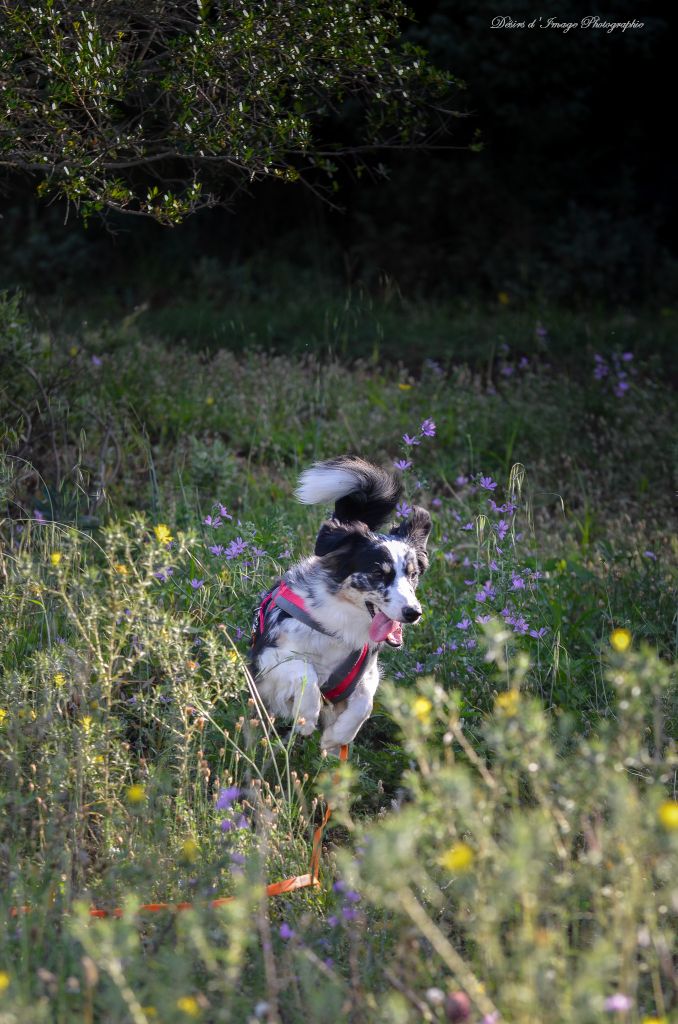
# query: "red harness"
x,y
343,681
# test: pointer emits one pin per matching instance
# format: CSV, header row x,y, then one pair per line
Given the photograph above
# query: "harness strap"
x,y
343,681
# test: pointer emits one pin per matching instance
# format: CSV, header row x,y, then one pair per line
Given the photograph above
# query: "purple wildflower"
x,y
226,798
502,529
402,464
419,667
333,921
223,511
487,482
216,549
461,480
410,440
520,625
517,582
285,554
428,428
352,896
467,526
39,516
436,502
486,592
196,584
339,886
507,371
470,644
235,548
650,554
97,361
618,1003
620,388
349,913
403,509
285,931
627,356
226,825
463,624
523,363
539,633
164,574
258,552
212,521
601,369
450,556
483,619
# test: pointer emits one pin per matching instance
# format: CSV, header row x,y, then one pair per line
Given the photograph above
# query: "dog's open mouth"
x,y
383,629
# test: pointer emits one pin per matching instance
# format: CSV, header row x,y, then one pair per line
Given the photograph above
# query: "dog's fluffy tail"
x,y
360,491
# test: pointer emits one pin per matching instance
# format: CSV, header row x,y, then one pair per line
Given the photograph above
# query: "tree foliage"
x,y
159,108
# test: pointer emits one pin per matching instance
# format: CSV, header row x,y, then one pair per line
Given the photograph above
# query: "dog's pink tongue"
x,y
381,627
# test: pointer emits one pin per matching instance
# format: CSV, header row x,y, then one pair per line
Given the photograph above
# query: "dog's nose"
x,y
411,613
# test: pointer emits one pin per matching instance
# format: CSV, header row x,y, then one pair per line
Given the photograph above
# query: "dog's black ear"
x,y
335,536
415,530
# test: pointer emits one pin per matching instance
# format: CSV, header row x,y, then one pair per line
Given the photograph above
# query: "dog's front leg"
x,y
306,701
346,725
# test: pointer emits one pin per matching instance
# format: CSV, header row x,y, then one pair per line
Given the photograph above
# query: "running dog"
x,y
318,631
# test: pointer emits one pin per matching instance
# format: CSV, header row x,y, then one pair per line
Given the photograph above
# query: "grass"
x,y
505,832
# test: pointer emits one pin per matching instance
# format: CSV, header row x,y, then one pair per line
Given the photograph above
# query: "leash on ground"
x,y
309,880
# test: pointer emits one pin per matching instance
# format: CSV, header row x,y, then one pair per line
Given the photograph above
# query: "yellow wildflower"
x,y
422,708
121,569
150,1012
162,533
668,814
209,400
189,1005
190,850
73,350
232,655
458,858
86,723
405,387
655,1020
4,981
136,794
55,557
3,715
59,679
620,640
503,298
507,702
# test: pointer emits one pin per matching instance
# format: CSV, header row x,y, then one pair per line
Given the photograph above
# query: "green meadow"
x,y
503,844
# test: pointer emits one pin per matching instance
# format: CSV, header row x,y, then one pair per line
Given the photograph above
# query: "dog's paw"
x,y
305,727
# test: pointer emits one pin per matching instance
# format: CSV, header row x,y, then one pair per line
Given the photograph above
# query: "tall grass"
x,y
504,842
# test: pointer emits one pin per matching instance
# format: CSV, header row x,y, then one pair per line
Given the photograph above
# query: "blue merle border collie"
x,y
318,631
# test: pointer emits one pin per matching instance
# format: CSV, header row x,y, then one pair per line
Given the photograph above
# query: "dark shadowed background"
x,y
570,201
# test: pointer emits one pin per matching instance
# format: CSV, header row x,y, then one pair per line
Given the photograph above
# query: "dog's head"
x,y
378,573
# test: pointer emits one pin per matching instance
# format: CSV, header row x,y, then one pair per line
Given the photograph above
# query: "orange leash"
x,y
274,889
